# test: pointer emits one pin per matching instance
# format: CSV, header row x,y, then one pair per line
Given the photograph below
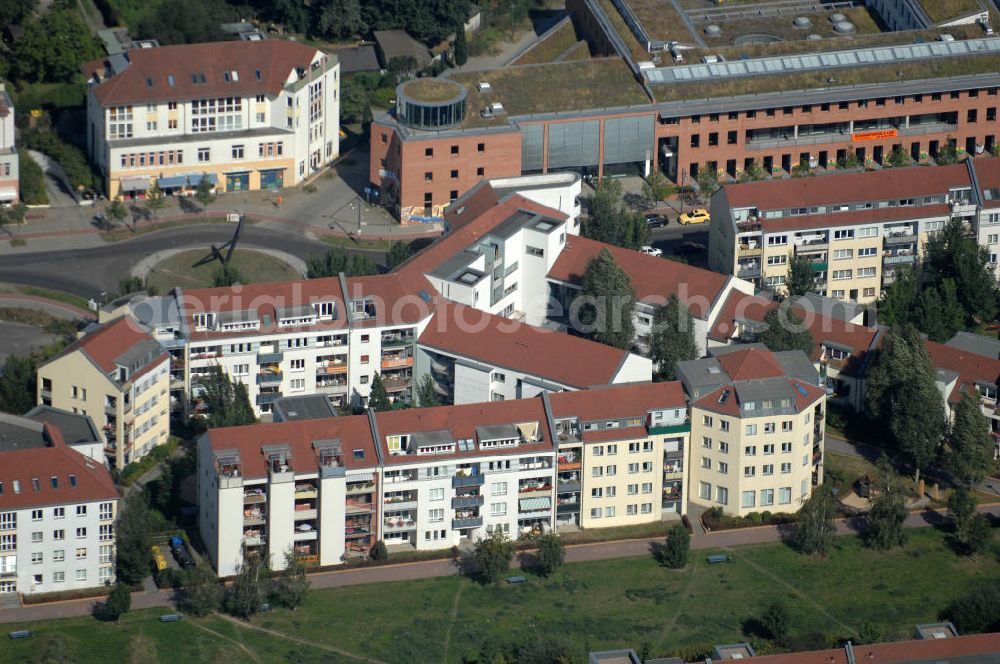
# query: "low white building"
x,y
9,172
57,512
245,114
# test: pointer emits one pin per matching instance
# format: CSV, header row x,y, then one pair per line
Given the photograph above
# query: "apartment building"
x,y
308,488
856,229
756,429
474,356
430,478
9,173
119,375
622,454
246,115
57,512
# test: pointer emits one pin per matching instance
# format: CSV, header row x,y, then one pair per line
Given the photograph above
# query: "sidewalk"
x,y
447,567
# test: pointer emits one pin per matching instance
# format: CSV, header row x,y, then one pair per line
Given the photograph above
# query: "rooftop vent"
x,y
844,27
837,18
713,30
484,86
814,37
802,22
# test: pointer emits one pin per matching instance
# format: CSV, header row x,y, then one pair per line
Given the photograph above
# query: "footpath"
x,y
447,567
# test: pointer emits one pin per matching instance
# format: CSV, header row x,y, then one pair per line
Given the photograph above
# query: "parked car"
x,y
696,216
180,552
651,251
656,220
161,562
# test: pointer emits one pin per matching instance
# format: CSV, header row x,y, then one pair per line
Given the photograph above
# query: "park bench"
x,y
170,617
20,634
515,579
722,558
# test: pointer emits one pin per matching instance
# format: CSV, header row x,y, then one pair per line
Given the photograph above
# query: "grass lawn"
x,y
50,294
597,605
254,266
550,48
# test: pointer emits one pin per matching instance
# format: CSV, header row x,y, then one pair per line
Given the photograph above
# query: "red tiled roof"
x,y
750,364
604,435
811,394
471,205
742,306
482,218
848,187
109,342
353,431
274,58
876,215
901,652
617,401
651,277
988,174
461,422
398,300
971,368
93,481
710,401
537,351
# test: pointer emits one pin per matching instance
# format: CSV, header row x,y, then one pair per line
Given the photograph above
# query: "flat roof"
x,y
306,407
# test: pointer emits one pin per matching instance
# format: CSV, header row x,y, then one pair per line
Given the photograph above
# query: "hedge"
x,y
32,180
69,157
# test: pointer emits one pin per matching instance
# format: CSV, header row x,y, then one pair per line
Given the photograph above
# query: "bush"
x,y
674,553
156,455
977,612
69,157
774,620
379,551
32,180
755,518
170,578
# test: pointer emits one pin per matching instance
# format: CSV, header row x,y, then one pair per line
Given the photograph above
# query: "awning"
x,y
360,477
135,184
195,178
532,504
172,181
8,193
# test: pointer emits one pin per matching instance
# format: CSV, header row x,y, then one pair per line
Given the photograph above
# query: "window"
x,y
631,509
81,510
58,535
785,495
633,468
724,447
706,463
237,152
611,471
704,490
786,448
480,171
633,489
428,152
498,509
436,494
436,516
81,533
766,497
298,384
722,495
842,274
104,554
768,426
786,468
609,511
597,492
498,489
57,577
777,260
751,429
598,450
777,240
611,491
865,252
842,254
866,272
36,536
706,420
749,499
204,154
647,487
58,556
36,515
724,425
81,553
843,234
597,471
723,468
106,533
706,442
81,575
454,149
595,512
535,251
768,469
749,471
750,450
37,558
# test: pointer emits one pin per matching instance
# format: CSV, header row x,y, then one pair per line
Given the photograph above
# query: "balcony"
x,y
465,502
667,429
568,461
358,507
268,397
815,245
269,378
533,488
253,517
394,341
900,238
303,491
396,362
459,481
746,251
305,512
467,522
252,538
748,271
397,523
331,368
572,486
898,259
817,458
749,226
269,358
8,572
568,507
397,384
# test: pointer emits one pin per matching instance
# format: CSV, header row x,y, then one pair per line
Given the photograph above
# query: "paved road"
x,y
440,568
88,272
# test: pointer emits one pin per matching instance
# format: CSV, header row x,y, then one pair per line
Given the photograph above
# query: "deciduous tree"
x,y
461,45
608,221
226,401
203,193
493,554
427,396
551,553
677,548
814,529
250,589
291,587
656,187
801,277
117,211
672,339
225,275
133,541
118,603
970,446
155,199
887,511
202,592
398,253
785,330
605,303
774,620
951,254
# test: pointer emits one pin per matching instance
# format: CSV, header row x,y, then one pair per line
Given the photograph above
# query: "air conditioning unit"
x,y
484,86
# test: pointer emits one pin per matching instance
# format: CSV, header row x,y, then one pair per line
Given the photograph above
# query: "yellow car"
x,y
697,216
161,562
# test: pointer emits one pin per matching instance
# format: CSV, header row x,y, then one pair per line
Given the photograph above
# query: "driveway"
x,y
21,339
56,184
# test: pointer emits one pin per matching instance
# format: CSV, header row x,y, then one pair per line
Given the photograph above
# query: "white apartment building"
x,y
57,512
856,229
246,115
9,173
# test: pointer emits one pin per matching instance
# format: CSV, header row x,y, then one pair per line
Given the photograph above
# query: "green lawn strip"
x,y
59,296
351,243
254,266
641,531
120,233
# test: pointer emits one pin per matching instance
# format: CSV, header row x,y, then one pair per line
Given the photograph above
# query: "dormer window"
x,y
204,321
231,76
122,374
398,444
325,309
362,308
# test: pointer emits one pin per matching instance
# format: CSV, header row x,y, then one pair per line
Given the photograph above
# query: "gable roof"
x,y
652,277
120,342
605,402
970,367
146,80
750,364
958,650
399,44
536,351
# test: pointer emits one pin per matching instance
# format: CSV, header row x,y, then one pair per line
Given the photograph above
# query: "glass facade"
x,y
431,115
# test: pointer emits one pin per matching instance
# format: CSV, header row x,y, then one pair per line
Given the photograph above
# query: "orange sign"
x,y
874,135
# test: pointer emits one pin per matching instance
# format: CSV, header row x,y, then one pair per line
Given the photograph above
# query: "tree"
x,y
814,529
938,313
461,46
379,551
978,536
398,253
493,554
708,181
672,338
899,301
183,21
976,612
203,193
961,507
226,402
548,650
130,284
785,330
202,592
774,620
656,187
972,531
17,384
607,221
336,260
427,396
31,180
801,277
869,633
899,157
118,603
677,548
969,453
291,587
951,254
605,303
902,392
849,160
117,211
52,46
947,154
753,171
155,199
340,19
133,541
887,512
13,12
551,553
226,275
378,398
250,588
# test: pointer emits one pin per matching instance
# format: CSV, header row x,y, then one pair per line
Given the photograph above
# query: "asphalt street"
x,y
88,272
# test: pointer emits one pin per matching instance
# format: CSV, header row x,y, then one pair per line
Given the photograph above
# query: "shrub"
x,y
69,157
755,518
976,612
675,552
379,551
32,180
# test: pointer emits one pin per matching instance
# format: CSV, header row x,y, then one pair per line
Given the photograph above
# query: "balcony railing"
x,y
465,502
254,497
459,481
568,487
398,523
468,522
269,358
393,341
534,488
899,259
331,369
746,251
268,378
748,272
396,362
268,397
